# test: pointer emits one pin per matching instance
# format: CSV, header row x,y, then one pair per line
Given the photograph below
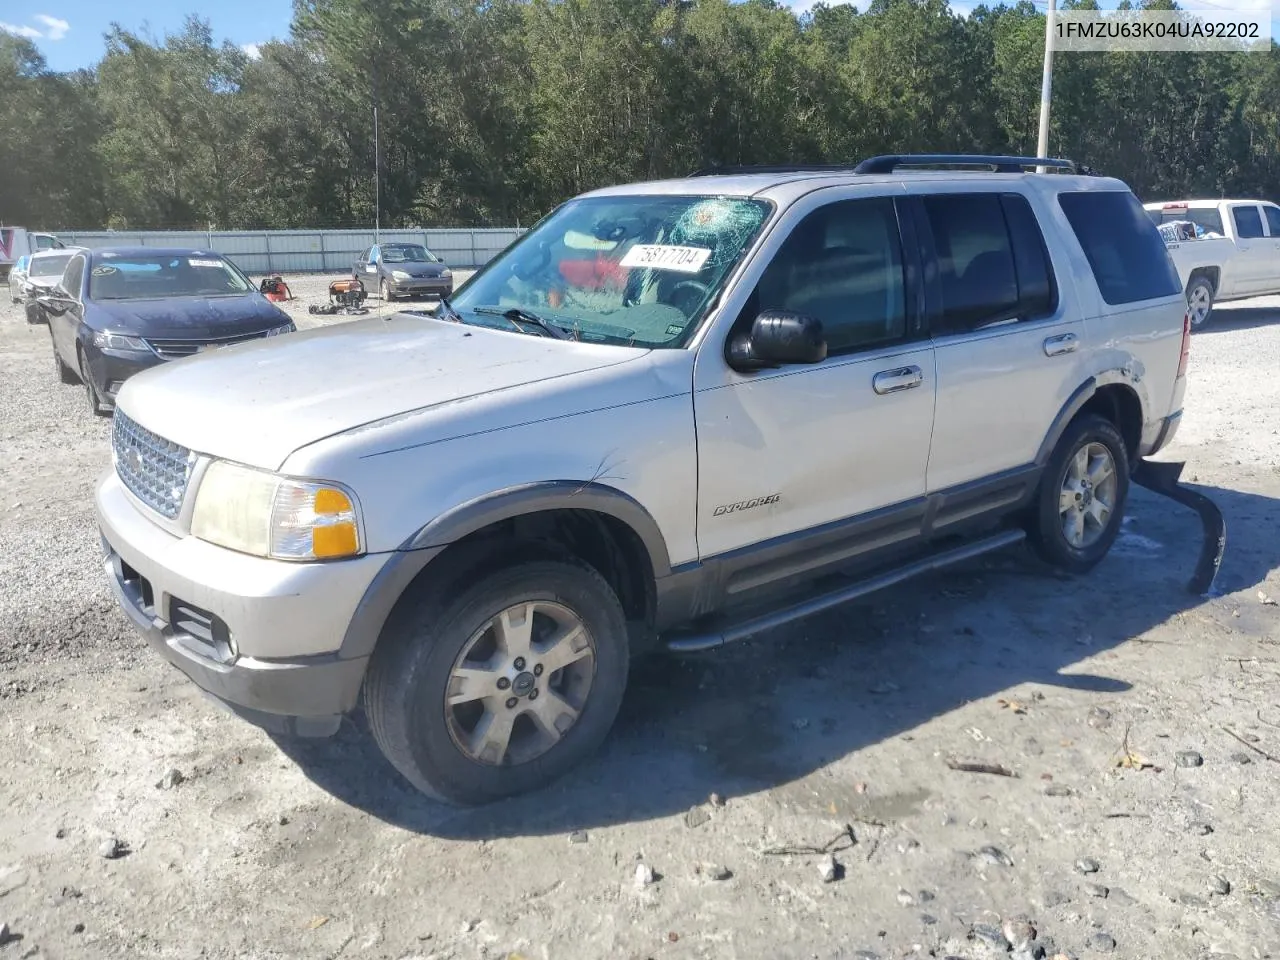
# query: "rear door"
x,y
1253,259
1007,344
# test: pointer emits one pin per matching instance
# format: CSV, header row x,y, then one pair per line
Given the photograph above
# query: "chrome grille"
x,y
154,470
172,349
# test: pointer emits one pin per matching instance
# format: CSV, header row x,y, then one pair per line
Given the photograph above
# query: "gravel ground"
x,y
784,798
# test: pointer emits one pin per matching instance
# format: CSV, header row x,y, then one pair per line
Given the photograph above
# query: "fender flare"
x,y
412,557
1075,403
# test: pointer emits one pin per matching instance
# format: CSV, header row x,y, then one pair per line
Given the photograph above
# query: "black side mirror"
x,y
778,337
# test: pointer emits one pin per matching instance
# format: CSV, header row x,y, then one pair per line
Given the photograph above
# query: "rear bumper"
x,y
1160,434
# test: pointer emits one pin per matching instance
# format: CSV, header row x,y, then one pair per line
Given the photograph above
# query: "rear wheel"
x,y
1199,301
503,688
1082,496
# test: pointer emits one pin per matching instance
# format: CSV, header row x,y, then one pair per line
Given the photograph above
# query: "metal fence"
x,y
307,251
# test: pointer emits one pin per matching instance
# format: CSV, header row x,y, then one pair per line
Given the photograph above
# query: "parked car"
x,y
1233,254
403,269
17,276
471,521
118,311
17,242
43,272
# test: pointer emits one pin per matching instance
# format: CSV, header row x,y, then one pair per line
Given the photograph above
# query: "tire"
x,y
386,291
1088,435
65,374
99,407
412,671
1200,301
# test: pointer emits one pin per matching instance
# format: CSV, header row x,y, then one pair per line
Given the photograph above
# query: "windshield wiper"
x,y
520,315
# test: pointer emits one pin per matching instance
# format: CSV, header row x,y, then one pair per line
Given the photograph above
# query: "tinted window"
x,y
976,268
1248,222
74,276
1273,220
1123,247
843,265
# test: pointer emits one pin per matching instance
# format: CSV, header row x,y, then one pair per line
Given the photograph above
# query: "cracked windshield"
x,y
639,270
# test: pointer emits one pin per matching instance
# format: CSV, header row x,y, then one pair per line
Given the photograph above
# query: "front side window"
x,y
148,277
1248,222
74,277
842,265
636,270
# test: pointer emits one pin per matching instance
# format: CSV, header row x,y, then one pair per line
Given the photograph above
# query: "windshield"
x,y
154,277
631,269
49,266
408,253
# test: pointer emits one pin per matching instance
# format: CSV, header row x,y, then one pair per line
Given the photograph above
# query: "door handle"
x,y
1066,343
893,381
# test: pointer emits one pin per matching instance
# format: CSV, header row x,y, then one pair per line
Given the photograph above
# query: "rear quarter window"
x,y
1124,249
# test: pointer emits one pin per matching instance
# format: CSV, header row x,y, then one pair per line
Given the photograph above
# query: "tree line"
x,y
493,113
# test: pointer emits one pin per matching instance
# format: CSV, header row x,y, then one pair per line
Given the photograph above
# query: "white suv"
x,y
672,413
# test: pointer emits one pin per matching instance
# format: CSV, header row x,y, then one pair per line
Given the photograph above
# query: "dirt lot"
x,y
317,849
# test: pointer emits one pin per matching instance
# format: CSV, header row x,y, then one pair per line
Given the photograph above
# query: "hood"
x,y
187,317
416,269
258,402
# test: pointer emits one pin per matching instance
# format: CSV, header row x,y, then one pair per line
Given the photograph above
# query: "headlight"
x,y
399,275
271,516
287,328
118,341
447,274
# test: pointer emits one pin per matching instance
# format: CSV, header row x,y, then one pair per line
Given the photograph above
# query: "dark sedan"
x,y
119,311
403,269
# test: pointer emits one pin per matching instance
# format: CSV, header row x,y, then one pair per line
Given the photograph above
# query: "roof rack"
x,y
890,162
1000,164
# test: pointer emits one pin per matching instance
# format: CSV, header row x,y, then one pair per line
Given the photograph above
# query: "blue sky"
x,y
69,32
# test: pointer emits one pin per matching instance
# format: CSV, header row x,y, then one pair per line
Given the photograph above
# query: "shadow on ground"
x,y
1228,318
766,712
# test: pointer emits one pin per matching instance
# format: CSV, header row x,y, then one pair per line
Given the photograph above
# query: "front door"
x,y
783,452
1253,250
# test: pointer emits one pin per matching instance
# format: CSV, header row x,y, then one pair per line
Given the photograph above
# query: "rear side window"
x,y
992,261
1248,222
1273,220
1123,247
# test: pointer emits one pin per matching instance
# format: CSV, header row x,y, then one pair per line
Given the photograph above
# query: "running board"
x,y
1161,477
689,643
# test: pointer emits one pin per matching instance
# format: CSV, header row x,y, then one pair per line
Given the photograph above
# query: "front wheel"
x,y
1199,301
100,407
502,688
386,292
1082,496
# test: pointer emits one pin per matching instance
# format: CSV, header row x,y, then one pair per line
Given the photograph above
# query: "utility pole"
x,y
377,181
1046,85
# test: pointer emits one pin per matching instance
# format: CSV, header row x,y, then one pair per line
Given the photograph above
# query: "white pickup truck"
x,y
1231,253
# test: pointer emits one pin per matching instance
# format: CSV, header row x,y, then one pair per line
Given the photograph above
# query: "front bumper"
x,y
422,287
262,637
111,368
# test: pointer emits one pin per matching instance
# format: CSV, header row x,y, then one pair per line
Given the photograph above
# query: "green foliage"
x,y
494,112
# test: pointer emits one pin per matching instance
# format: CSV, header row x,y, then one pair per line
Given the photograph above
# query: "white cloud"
x,y
31,33
252,50
55,29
